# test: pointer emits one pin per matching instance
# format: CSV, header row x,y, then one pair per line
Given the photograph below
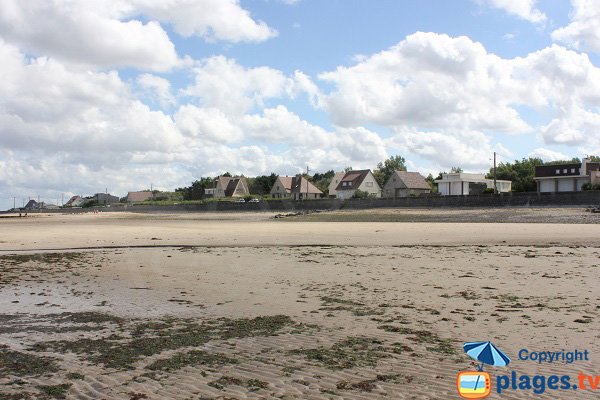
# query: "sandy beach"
x,y
246,306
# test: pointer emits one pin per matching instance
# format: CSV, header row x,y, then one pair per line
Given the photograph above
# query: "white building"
x,y
462,183
352,181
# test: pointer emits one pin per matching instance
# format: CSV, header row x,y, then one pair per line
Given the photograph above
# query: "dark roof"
x,y
301,185
356,177
573,169
412,180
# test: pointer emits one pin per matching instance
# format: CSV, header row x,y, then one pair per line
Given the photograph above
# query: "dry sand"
x,y
199,306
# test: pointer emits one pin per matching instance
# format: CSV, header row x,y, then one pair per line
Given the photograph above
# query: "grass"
x,y
24,364
349,353
120,352
56,391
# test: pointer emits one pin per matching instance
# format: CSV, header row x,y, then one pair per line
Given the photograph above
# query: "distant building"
x,y
303,189
136,197
462,183
566,177
32,205
75,201
105,199
225,186
404,184
352,181
282,187
297,187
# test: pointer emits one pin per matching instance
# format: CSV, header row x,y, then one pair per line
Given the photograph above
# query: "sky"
x,y
124,95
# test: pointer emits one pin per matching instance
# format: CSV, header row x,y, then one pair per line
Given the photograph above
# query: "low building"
x,y
335,181
404,184
75,201
352,181
137,197
227,186
462,183
104,199
570,177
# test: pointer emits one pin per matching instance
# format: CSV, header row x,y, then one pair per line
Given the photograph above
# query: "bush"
x,y
488,190
361,194
586,186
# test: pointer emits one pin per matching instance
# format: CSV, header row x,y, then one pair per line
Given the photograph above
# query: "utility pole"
x,y
14,203
307,170
495,186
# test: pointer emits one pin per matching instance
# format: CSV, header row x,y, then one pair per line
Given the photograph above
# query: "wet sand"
x,y
198,306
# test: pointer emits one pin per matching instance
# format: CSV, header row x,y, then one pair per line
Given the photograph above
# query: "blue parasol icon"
x,y
486,353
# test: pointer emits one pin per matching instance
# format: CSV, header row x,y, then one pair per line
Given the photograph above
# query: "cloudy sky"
x,y
122,94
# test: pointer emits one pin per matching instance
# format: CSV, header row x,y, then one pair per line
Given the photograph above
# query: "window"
x,y
558,172
565,171
572,170
369,184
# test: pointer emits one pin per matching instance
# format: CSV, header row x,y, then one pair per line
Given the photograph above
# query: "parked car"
x,y
240,200
254,201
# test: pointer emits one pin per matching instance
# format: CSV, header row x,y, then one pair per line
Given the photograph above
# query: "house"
x,y
227,186
297,187
75,201
136,197
105,199
462,183
303,189
335,181
404,184
357,180
282,188
566,177
32,205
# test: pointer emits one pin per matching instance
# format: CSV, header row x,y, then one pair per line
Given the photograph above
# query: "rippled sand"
x,y
126,306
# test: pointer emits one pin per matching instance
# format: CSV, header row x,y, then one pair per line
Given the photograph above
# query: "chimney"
x,y
583,170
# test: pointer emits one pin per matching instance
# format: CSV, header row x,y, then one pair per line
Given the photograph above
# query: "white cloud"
x,y
548,155
109,34
524,9
87,33
210,19
224,84
583,32
46,106
158,89
469,150
429,81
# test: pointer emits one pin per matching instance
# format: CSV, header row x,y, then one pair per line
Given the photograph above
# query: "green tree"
x,y
323,180
430,180
386,168
196,190
456,170
521,173
262,184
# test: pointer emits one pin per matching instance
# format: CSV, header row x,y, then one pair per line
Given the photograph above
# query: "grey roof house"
x,y
404,184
